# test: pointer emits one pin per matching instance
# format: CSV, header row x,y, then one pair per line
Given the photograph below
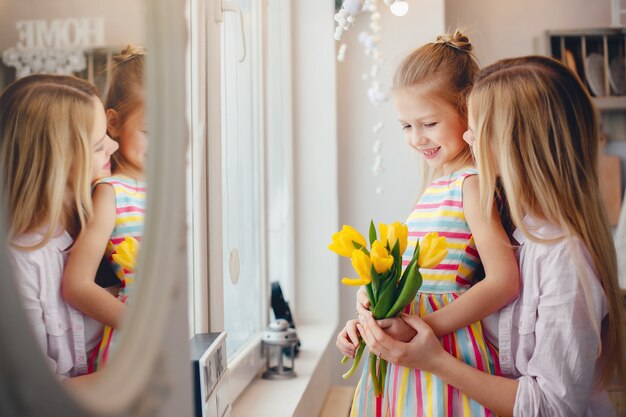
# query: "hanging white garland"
x,y
376,93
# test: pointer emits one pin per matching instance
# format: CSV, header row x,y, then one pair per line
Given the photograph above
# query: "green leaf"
x,y
361,247
416,252
375,282
412,284
385,301
397,257
370,295
372,232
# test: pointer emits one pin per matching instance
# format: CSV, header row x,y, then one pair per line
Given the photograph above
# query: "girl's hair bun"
x,y
456,40
129,53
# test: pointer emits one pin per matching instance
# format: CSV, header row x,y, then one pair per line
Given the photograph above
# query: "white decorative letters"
x,y
54,46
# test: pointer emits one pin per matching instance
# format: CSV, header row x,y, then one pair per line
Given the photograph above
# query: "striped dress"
x,y
130,204
410,392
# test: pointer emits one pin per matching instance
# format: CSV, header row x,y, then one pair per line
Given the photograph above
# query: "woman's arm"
x,y
501,283
425,352
79,286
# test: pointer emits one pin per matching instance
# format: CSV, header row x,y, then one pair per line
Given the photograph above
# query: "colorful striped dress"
x,y
410,392
130,204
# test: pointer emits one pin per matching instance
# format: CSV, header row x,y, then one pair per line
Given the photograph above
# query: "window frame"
x,y
205,179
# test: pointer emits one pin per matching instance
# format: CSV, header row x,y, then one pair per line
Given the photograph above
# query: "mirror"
x,y
29,388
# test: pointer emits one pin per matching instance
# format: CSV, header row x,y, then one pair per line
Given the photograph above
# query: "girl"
x,y
54,144
534,127
119,204
429,91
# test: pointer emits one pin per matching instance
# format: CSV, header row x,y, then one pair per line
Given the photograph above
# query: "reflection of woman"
x,y
53,145
561,342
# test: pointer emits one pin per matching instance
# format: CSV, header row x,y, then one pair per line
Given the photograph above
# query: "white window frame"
x,y
206,292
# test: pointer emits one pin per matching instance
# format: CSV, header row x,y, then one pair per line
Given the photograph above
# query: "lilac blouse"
x,y
549,336
64,333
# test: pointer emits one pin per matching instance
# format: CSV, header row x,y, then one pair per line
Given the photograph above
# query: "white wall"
x,y
315,156
501,29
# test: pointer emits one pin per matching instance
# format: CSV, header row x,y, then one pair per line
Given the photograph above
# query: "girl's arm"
x,y
79,286
425,352
501,283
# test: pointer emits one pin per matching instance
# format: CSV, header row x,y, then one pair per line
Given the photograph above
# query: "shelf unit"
x,y
598,56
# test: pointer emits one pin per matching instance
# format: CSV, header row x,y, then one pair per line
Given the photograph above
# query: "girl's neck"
x,y
452,167
462,161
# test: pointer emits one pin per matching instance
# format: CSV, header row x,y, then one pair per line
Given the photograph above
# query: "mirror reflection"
x,y
73,155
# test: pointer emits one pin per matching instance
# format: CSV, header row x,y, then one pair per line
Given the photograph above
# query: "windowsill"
x,y
283,398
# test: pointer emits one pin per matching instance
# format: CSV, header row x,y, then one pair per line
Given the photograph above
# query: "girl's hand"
x,y
423,352
362,301
398,329
348,339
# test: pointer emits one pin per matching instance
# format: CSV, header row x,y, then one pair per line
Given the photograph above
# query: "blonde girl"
x,y
429,93
534,126
119,204
53,144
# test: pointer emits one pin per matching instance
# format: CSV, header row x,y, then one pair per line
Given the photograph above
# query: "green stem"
x,y
355,364
373,375
383,374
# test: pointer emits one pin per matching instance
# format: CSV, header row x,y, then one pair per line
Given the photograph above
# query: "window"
x,y
239,173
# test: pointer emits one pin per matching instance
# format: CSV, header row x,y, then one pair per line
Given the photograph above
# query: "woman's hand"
x,y
348,339
398,329
423,351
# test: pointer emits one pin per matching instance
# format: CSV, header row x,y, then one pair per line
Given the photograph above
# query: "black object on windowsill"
x,y
282,311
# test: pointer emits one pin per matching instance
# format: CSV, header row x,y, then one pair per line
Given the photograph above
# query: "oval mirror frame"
x,y
27,387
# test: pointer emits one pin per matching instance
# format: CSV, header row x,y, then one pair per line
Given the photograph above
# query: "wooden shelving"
x,y
598,56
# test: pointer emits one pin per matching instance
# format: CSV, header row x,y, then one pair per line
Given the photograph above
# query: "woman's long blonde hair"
x,y
446,66
125,93
536,129
46,122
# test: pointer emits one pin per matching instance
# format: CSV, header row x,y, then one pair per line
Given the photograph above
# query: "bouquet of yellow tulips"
x,y
379,268
126,253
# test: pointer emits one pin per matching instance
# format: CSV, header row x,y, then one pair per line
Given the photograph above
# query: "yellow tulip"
x,y
392,233
381,258
343,241
126,253
433,249
362,265
357,282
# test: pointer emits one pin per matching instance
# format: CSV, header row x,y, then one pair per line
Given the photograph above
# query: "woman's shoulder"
x,y
553,254
24,245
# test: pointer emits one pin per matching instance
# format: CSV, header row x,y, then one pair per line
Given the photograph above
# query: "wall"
x,y
315,156
503,29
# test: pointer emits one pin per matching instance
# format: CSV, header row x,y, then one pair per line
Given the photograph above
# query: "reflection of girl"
x,y
53,145
119,204
561,341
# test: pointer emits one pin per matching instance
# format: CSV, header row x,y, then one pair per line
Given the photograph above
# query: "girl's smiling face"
x,y
431,126
133,140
